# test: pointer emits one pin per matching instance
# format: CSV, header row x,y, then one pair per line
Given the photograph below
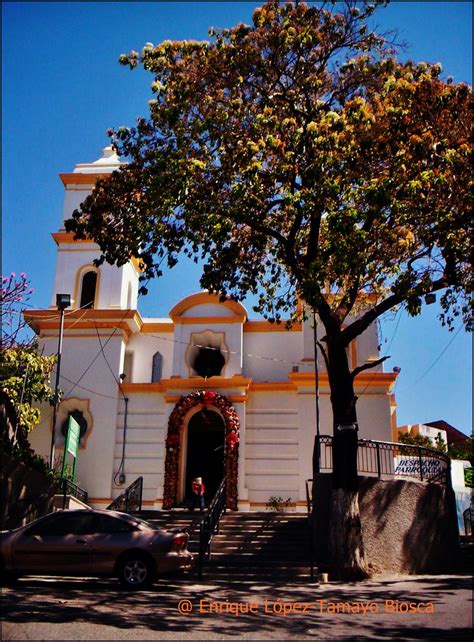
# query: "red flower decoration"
x,y
232,439
172,440
209,397
176,421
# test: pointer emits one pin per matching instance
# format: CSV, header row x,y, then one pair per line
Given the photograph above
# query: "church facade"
x,y
205,392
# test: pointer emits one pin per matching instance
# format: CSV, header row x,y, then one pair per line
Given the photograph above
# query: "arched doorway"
x,y
205,452
183,413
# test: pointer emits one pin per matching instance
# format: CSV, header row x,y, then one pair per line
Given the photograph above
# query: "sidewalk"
x,y
401,607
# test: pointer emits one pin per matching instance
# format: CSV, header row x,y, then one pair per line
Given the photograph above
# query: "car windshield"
x,y
140,522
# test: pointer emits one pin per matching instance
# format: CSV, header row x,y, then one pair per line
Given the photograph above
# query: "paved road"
x,y
65,609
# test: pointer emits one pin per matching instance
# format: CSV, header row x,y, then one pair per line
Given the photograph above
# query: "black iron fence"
x,y
210,524
66,487
130,501
387,459
468,518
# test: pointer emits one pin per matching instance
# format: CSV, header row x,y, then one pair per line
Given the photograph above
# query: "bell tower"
x,y
98,326
104,288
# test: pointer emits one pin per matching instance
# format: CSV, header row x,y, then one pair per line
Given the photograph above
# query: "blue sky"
x,y
62,88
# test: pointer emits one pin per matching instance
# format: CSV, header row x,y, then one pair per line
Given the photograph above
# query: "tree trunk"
x,y
346,546
345,533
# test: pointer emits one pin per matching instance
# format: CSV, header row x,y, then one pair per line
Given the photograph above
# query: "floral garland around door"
x,y
173,444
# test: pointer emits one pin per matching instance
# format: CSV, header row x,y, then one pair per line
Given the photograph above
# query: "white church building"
x,y
206,390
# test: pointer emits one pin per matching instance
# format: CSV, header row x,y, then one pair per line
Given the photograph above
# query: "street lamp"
x,y
63,301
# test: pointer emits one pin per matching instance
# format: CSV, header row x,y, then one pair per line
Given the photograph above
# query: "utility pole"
x,y
63,301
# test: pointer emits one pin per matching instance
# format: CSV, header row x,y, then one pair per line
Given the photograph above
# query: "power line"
x,y
94,392
105,357
439,356
98,353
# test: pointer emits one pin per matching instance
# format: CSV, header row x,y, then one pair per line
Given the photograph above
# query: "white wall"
x,y
271,444
143,347
145,444
73,197
270,356
96,457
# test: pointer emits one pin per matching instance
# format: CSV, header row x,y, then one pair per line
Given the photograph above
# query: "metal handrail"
x,y
67,487
377,457
309,505
130,501
210,524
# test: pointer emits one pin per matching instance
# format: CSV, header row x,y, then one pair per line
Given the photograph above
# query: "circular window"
x,y
81,420
209,362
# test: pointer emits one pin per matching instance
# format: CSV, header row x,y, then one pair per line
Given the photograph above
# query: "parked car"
x,y
97,543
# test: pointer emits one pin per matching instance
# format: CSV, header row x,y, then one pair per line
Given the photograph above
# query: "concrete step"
x,y
216,572
250,546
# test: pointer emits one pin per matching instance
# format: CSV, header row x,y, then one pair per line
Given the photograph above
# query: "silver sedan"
x,y
89,543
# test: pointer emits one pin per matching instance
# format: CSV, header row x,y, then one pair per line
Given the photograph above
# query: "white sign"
x,y
411,466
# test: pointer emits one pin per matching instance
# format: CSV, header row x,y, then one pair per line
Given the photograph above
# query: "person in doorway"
x,y
197,489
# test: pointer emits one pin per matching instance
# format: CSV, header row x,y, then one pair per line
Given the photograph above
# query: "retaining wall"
x,y
407,526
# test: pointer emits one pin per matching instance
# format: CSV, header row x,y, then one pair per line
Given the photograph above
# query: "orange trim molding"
x,y
238,398
365,378
272,386
129,320
353,347
188,383
68,237
207,320
201,298
148,388
297,380
217,383
160,326
72,178
266,326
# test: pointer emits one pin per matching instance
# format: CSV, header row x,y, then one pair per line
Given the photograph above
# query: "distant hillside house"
x,y
209,389
454,437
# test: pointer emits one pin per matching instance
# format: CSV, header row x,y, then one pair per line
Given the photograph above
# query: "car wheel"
x,y
136,572
7,577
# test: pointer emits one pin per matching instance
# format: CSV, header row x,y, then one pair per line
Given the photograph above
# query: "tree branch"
x,y
355,329
367,366
324,353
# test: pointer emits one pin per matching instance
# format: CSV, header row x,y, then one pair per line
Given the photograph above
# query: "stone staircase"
x,y
253,546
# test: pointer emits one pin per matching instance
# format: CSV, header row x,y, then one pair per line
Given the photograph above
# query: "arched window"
x,y
157,368
88,290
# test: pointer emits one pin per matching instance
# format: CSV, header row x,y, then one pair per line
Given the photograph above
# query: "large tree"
x,y
300,160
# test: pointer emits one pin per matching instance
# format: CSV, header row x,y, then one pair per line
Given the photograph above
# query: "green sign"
x,y
73,435
72,444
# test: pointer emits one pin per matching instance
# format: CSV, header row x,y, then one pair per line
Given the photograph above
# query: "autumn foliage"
x,y
299,160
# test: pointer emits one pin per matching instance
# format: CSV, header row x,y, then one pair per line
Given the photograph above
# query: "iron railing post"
x,y
131,498
210,524
413,452
201,539
309,505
